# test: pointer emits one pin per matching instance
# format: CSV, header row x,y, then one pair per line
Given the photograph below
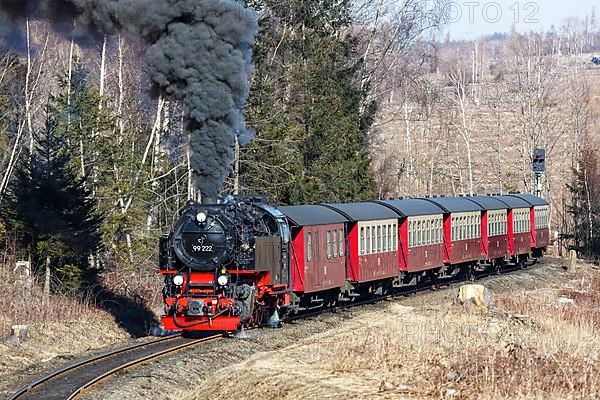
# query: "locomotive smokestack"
x,y
199,51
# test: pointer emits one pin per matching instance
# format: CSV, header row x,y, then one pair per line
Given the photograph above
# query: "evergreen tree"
x,y
308,106
49,209
109,161
585,207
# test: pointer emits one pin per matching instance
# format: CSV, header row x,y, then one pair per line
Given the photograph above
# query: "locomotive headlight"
x,y
222,280
201,217
178,280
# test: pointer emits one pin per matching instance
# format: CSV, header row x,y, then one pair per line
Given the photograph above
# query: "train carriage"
x,y
462,229
317,259
420,235
494,216
518,224
372,241
539,216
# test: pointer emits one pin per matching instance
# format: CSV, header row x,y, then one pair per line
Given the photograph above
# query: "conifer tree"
x,y
308,107
50,210
585,206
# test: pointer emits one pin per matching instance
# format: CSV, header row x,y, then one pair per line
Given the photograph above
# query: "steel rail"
x,y
141,360
23,390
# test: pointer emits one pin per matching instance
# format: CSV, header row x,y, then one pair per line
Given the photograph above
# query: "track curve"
x,y
72,380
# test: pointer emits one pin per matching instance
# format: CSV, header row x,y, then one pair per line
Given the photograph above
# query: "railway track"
x,y
71,381
448,283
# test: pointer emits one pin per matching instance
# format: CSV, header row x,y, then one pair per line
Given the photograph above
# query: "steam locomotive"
x,y
240,262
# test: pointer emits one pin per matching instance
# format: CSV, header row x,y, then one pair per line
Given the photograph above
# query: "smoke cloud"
x,y
199,51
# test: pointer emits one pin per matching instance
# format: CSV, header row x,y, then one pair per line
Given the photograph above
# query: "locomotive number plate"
x,y
202,249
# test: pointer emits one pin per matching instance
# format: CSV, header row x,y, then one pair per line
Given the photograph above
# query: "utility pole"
x,y
539,168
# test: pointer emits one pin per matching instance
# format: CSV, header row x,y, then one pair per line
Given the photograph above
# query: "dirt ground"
x,y
540,340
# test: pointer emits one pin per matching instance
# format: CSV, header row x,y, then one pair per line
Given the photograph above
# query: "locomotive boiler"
x,y
225,265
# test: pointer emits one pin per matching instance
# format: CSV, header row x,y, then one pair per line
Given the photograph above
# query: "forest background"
x,y
349,101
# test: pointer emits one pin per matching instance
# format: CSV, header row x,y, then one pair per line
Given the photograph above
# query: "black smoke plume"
x,y
199,51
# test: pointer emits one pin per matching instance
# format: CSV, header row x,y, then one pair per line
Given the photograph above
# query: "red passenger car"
x,y
372,241
318,261
519,227
462,229
494,239
421,240
539,217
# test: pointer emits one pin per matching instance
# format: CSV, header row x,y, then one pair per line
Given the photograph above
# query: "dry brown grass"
x,y
532,346
58,325
22,305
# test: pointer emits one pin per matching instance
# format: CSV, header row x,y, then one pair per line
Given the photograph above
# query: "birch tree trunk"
x,y
47,278
27,87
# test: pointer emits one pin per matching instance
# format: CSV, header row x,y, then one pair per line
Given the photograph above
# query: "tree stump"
x,y
572,261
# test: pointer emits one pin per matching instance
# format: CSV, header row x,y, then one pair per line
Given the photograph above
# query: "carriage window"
x,y
308,247
368,248
496,225
394,241
428,231
378,238
471,226
468,227
419,233
362,240
334,242
341,240
414,243
384,238
390,242
453,228
328,244
373,239
317,244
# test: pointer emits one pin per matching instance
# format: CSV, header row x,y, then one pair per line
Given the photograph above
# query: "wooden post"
x,y
572,261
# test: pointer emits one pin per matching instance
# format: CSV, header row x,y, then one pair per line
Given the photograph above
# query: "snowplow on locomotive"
x,y
240,262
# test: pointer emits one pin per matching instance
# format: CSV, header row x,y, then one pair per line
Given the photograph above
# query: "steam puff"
x,y
199,52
